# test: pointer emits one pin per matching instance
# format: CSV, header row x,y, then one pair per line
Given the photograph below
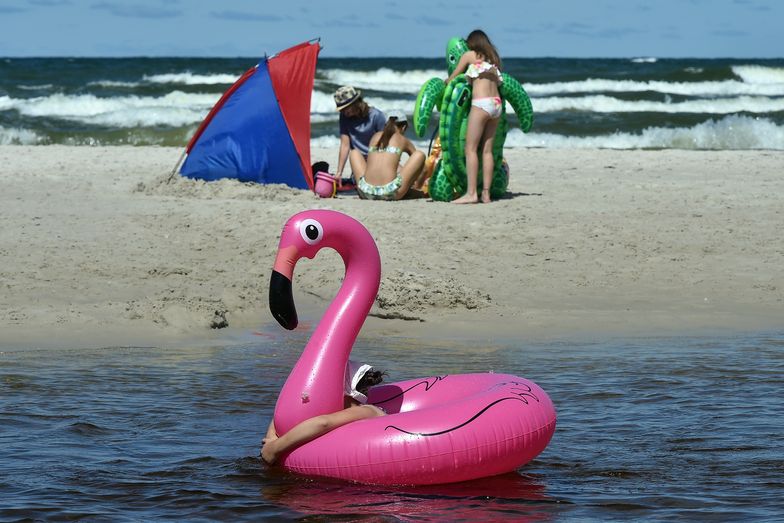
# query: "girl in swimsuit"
x,y
482,67
381,179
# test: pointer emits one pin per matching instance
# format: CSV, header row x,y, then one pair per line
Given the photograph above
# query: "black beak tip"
x,y
286,322
281,301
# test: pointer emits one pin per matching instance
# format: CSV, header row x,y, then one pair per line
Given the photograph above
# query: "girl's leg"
x,y
411,171
476,124
488,165
358,164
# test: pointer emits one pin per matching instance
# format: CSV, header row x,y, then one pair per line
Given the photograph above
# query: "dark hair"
x,y
370,379
319,167
362,108
389,130
480,43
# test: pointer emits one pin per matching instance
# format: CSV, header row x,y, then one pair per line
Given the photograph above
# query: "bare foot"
x,y
467,198
486,196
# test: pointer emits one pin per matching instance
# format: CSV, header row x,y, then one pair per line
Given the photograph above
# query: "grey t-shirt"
x,y
360,131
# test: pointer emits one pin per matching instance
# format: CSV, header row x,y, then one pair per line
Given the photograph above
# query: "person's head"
x,y
480,43
359,378
370,379
396,122
349,102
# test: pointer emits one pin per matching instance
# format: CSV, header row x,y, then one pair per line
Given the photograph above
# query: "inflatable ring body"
x,y
438,429
441,429
453,101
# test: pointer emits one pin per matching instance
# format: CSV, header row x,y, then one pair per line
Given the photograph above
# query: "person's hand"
x,y
268,452
268,455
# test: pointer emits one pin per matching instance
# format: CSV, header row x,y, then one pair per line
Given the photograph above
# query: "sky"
x,y
416,28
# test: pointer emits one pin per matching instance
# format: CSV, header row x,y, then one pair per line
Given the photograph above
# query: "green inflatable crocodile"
x,y
453,101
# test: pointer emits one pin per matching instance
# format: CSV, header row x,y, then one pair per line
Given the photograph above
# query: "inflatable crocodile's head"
x,y
454,50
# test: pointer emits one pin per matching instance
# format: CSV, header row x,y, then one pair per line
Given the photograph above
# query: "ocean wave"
x,y
760,74
383,79
608,104
718,88
188,78
113,83
18,136
755,80
173,109
644,60
731,132
322,105
43,87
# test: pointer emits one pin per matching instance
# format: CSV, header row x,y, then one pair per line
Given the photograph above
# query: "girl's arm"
x,y
342,155
465,60
312,428
409,148
271,434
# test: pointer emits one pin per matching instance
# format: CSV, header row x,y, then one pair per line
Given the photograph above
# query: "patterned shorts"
x,y
379,192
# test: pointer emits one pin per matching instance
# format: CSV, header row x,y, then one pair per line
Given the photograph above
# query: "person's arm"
x,y
342,155
312,428
271,434
465,60
409,147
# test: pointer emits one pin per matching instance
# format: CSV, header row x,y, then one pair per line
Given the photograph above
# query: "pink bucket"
x,y
326,185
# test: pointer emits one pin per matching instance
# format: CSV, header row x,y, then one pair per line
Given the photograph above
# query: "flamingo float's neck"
x,y
315,385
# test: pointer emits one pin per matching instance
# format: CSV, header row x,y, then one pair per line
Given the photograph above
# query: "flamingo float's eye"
x,y
311,231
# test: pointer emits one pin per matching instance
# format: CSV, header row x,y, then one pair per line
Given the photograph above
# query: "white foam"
x,y
755,80
114,83
608,104
175,108
42,87
599,85
644,60
731,132
188,78
325,142
759,74
322,106
18,136
384,79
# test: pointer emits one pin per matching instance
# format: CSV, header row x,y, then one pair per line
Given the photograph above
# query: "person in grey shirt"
x,y
358,122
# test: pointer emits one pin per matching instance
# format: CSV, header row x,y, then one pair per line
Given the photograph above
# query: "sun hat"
x,y
346,96
400,115
354,372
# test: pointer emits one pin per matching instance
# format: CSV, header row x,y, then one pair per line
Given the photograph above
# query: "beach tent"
x,y
259,131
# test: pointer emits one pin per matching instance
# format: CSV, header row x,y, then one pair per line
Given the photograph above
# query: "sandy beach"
x,y
97,249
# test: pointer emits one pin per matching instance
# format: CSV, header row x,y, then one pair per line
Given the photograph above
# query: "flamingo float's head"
x,y
303,236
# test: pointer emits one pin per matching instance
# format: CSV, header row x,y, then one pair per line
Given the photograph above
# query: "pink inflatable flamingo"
x,y
439,429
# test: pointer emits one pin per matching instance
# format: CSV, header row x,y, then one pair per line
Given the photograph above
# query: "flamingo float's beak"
x,y
281,298
281,301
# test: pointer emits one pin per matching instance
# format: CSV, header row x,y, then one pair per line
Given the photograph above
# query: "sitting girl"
x,y
359,378
381,180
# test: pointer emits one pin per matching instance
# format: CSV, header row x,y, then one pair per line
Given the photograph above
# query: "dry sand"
x,y
97,249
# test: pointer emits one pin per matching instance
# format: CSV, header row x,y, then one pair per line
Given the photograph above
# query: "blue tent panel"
x,y
247,139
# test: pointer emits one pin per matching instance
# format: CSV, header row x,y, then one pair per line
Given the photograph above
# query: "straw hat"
x,y
346,96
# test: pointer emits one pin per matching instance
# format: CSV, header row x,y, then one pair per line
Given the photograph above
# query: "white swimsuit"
x,y
492,105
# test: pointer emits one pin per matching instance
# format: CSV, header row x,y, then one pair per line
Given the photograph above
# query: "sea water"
x,y
610,103
686,428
